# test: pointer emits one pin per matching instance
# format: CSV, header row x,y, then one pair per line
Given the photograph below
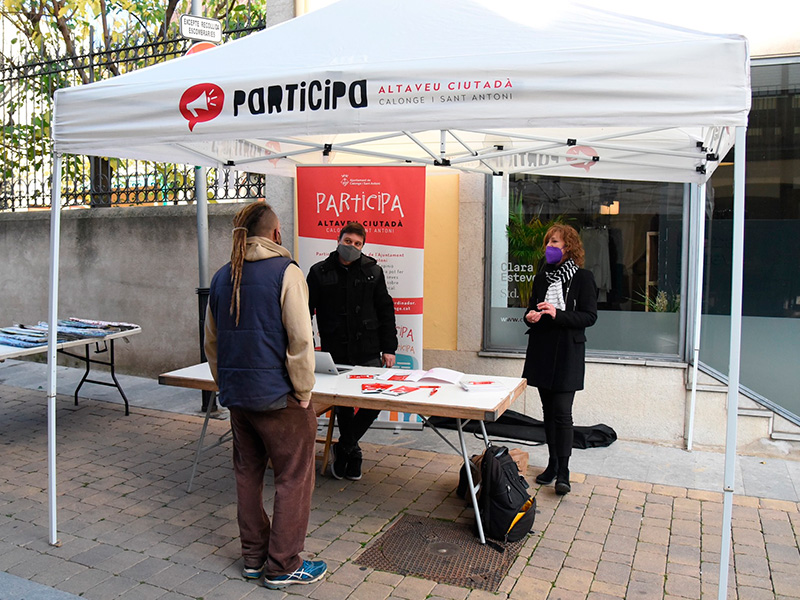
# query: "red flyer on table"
x,y
401,389
361,376
398,378
374,388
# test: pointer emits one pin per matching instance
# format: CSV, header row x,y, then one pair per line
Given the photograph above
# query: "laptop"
x,y
323,363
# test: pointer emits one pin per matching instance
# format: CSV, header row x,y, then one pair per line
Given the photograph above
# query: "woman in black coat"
x,y
562,305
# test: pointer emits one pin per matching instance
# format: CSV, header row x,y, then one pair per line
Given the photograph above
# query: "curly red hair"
x,y
573,246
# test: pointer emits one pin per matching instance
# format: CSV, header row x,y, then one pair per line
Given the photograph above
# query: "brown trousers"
x,y
286,437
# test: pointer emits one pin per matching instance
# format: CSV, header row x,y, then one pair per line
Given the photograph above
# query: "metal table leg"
x,y
200,449
471,485
111,363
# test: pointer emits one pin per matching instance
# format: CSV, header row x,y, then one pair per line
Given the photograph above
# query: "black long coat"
x,y
556,355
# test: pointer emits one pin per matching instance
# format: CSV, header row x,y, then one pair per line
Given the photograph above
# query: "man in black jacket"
x,y
355,318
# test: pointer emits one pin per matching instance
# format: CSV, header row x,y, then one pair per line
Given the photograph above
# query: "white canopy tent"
x,y
643,94
492,86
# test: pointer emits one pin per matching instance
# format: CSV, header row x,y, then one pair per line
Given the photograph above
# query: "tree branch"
x,y
112,67
69,42
169,12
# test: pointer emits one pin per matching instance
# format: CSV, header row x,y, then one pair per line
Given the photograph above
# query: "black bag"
x,y
520,457
517,426
507,510
463,484
596,436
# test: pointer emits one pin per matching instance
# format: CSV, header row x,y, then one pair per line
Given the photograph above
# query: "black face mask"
x,y
348,253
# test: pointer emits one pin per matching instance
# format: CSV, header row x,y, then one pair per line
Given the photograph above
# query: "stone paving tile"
x,y
684,554
450,592
143,591
484,595
201,584
682,586
130,531
173,576
57,573
371,591
84,580
175,596
529,588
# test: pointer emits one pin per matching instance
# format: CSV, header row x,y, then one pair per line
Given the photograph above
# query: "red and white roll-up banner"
x,y
390,203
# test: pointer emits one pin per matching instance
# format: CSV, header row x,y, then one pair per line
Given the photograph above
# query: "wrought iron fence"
x,y
27,82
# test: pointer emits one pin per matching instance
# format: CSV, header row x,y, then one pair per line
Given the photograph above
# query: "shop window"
x,y
771,278
633,236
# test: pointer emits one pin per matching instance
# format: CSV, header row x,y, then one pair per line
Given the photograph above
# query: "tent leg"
x,y
734,357
700,222
52,336
201,203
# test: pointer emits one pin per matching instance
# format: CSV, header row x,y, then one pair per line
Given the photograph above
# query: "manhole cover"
x,y
443,549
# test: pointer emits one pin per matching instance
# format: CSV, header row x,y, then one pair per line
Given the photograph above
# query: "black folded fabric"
x,y
516,426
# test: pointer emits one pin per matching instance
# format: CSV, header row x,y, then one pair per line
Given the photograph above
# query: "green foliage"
x,y
50,44
526,240
661,302
51,28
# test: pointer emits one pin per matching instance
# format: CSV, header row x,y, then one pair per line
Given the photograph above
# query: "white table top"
x,y
342,390
14,352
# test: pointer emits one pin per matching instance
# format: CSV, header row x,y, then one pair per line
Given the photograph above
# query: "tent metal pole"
x,y
201,204
699,194
52,340
201,198
734,356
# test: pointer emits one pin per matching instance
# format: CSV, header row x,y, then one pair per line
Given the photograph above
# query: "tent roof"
x,y
487,85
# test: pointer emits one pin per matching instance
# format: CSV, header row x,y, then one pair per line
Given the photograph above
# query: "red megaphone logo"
x,y
201,103
582,157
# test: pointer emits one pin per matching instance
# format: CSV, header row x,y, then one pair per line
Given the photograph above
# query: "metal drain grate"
x,y
442,551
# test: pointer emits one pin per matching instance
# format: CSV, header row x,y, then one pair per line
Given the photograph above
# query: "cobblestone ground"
x,y
129,530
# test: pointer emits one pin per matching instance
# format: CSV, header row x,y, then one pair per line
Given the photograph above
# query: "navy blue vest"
x,y
251,357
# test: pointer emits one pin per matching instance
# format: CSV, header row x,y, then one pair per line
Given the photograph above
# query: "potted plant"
x,y
661,302
526,243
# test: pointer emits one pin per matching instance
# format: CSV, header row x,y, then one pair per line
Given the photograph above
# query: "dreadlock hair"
x,y
254,219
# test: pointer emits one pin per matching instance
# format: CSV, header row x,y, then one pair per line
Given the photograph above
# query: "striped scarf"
x,y
556,278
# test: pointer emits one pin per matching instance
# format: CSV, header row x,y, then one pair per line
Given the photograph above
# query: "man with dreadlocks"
x,y
355,318
260,348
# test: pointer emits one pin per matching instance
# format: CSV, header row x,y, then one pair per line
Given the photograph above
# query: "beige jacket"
x,y
296,321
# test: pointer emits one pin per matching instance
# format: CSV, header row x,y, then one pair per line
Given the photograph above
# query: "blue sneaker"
x,y
253,572
309,572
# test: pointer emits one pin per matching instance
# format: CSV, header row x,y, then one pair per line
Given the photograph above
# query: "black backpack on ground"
x,y
507,509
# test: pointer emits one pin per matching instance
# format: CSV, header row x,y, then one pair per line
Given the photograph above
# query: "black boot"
x,y
562,477
547,476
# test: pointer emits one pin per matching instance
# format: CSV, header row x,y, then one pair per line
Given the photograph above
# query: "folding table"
x,y
101,346
449,400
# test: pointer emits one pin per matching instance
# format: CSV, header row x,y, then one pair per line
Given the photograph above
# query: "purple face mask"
x,y
553,255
